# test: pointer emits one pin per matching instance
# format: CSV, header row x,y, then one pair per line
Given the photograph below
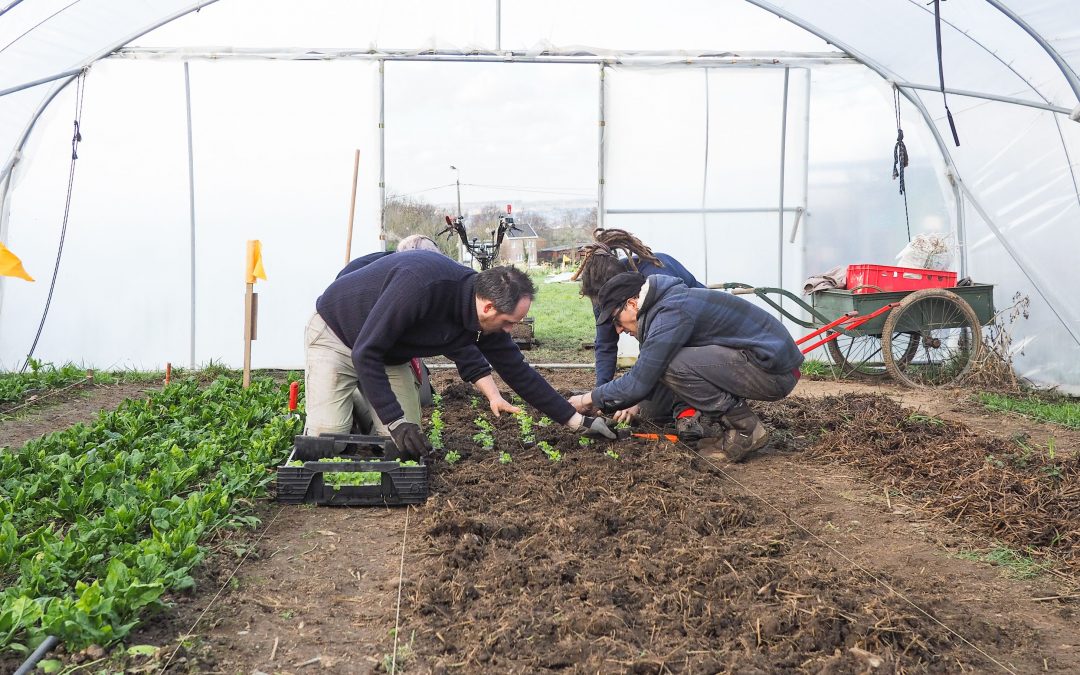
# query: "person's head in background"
x,y
418,242
600,260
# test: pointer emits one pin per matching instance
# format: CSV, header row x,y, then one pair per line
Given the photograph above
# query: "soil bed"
x,y
803,559
656,562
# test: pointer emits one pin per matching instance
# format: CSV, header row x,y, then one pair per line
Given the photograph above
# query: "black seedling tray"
x,y
311,483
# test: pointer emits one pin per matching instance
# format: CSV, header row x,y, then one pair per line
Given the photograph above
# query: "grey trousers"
x,y
330,386
715,379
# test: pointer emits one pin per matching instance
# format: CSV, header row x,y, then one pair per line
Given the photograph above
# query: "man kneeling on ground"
x,y
712,350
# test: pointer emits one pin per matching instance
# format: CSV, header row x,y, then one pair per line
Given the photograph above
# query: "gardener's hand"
x,y
410,441
627,415
581,402
593,427
501,405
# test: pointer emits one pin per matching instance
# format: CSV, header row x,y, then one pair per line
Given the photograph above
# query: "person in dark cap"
x,y
712,350
612,252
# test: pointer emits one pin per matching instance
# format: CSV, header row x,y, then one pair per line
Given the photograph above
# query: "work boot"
x,y
688,428
743,434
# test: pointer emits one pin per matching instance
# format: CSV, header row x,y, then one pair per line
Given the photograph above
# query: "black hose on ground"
x,y
38,654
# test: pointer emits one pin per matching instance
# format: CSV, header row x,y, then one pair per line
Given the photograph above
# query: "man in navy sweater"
x,y
714,350
370,322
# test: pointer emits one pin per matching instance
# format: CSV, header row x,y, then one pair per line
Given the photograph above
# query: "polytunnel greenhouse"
x,y
751,140
825,193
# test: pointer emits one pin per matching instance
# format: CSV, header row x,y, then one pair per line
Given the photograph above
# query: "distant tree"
x,y
404,216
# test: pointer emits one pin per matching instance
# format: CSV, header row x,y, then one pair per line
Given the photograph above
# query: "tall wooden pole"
x,y
352,207
249,330
251,305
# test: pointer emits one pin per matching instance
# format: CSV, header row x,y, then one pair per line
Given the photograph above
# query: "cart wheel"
x,y
862,354
947,338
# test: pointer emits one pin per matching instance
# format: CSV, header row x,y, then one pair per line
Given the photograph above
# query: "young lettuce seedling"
x,y
552,454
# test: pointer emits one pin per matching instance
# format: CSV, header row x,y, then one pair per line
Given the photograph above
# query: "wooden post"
x,y
251,304
249,329
352,207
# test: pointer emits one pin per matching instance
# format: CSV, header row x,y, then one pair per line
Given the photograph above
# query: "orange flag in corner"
x,y
254,261
11,266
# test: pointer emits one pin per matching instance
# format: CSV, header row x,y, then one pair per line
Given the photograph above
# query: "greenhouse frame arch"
x,y
808,92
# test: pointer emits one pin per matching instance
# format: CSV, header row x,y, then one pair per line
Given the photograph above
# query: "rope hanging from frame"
x,y
76,137
941,70
900,158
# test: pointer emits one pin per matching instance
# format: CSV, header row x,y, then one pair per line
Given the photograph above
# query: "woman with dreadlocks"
x,y
612,252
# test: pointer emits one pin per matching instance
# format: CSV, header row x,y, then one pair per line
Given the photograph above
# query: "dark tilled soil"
x,y
827,553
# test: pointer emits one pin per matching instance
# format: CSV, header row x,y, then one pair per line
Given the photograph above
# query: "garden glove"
x,y
595,427
410,441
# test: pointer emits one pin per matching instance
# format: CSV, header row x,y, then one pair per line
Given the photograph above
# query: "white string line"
x,y
216,595
401,573
837,552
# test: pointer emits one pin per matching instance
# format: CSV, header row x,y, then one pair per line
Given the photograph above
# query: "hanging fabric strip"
x,y
900,158
941,71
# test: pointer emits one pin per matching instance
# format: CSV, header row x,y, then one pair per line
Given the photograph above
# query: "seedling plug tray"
x,y
349,470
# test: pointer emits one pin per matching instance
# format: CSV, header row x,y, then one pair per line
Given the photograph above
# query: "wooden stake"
x,y
249,331
352,207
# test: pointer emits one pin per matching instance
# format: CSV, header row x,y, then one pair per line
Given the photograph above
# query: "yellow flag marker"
x,y
254,261
11,266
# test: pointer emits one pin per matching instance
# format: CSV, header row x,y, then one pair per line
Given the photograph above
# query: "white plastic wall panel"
x,y
121,292
856,214
273,151
899,35
1056,21
42,38
680,235
745,108
1042,349
655,135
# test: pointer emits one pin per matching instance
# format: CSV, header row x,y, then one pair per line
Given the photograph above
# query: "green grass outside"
x,y
1058,410
563,318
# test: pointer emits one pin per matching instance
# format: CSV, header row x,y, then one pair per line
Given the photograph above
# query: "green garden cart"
x,y
929,337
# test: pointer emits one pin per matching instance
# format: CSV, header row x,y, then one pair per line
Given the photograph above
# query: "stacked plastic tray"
x,y
308,476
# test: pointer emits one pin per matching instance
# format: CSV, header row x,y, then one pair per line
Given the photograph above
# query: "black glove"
x,y
410,441
596,427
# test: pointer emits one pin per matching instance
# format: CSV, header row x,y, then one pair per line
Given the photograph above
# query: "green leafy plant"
x,y
544,421
486,436
552,454
611,453
436,431
525,422
505,458
585,441
157,478
452,457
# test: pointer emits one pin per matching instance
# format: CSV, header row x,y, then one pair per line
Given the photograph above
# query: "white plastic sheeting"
x,y
691,154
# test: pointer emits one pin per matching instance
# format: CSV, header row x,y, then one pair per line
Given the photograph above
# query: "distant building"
x,y
557,255
519,248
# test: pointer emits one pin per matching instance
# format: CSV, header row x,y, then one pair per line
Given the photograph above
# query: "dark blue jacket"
x,y
421,304
673,316
362,261
607,340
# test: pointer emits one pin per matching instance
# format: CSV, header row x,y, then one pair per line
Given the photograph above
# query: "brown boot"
x,y
743,434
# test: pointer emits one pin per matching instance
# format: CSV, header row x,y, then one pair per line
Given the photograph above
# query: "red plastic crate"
x,y
889,278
